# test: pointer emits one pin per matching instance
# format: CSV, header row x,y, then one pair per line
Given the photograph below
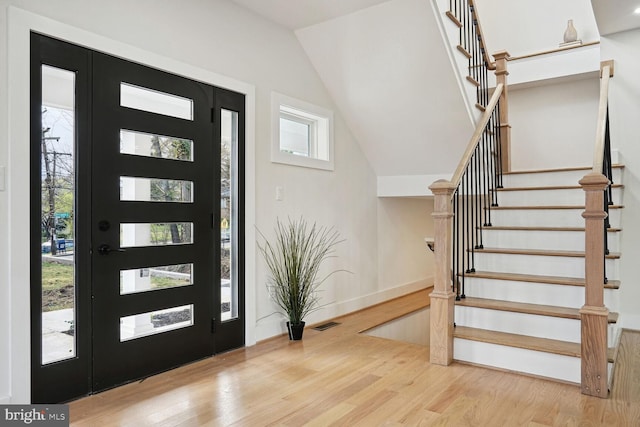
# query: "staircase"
x,y
520,308
525,268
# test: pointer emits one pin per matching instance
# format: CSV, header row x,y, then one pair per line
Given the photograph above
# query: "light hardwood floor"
x,y
340,377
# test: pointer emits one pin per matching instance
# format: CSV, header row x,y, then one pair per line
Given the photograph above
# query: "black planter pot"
x,y
295,331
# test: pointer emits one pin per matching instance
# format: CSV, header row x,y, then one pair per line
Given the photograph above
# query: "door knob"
x,y
105,249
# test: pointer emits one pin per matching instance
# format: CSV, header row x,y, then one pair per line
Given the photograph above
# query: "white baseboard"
x,y
361,302
5,400
275,325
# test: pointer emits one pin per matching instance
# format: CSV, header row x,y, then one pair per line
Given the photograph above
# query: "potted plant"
x,y
294,258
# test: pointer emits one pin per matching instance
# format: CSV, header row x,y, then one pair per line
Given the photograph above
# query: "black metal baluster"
x,y
472,217
477,198
456,243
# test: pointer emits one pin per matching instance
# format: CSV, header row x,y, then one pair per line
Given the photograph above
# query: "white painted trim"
x,y
408,185
20,23
5,400
472,112
316,114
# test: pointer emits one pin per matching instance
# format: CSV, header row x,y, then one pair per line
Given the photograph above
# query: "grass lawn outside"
x,y
57,286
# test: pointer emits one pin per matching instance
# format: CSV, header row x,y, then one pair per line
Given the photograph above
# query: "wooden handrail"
x,y
606,72
477,134
549,51
490,65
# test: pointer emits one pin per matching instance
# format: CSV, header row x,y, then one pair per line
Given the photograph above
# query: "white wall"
x,y
403,223
207,40
522,27
624,110
379,65
5,313
553,125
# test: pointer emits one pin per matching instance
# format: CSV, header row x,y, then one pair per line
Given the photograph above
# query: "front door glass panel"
x,y
159,277
155,322
229,216
153,101
155,190
155,234
57,231
151,145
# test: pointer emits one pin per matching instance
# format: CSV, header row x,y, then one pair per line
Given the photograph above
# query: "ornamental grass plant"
x,y
294,258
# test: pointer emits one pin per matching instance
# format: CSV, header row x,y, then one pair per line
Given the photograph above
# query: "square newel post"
x,y
501,72
594,315
442,297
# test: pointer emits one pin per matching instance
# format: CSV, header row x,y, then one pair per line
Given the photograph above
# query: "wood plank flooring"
x,y
342,378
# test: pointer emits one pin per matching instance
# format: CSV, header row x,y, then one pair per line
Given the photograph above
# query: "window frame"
x,y
320,122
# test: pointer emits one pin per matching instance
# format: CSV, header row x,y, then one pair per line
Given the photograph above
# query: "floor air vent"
x,y
326,326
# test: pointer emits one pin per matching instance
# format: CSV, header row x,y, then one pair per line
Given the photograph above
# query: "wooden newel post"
x,y
501,58
594,315
442,297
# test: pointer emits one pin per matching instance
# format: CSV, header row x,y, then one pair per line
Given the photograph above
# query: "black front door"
x,y
153,230
157,226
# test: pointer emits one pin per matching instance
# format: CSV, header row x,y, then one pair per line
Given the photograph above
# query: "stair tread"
x,y
526,308
547,207
541,252
453,19
463,51
529,228
550,187
532,278
546,345
578,168
473,81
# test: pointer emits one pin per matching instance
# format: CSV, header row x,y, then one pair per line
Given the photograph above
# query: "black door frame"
x,y
72,378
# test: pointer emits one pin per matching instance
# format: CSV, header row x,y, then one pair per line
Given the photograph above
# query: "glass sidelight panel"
x,y
229,216
153,101
57,214
151,145
155,190
157,234
152,278
155,322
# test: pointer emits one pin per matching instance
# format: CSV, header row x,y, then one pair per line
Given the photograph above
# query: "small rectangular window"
x,y
302,133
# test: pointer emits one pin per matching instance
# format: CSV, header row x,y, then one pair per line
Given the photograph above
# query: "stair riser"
x,y
547,265
519,323
552,178
548,365
546,218
549,197
531,239
534,293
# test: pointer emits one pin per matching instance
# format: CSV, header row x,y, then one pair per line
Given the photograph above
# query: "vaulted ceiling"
x,y
385,65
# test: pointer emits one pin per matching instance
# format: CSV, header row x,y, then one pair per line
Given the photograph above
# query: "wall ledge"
x,y
408,185
274,325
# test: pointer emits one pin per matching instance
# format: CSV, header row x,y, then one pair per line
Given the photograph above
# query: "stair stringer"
x,y
459,62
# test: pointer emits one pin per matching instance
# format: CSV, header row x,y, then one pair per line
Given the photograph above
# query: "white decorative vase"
x,y
570,34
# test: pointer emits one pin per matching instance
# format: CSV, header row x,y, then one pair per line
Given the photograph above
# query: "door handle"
x,y
105,249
